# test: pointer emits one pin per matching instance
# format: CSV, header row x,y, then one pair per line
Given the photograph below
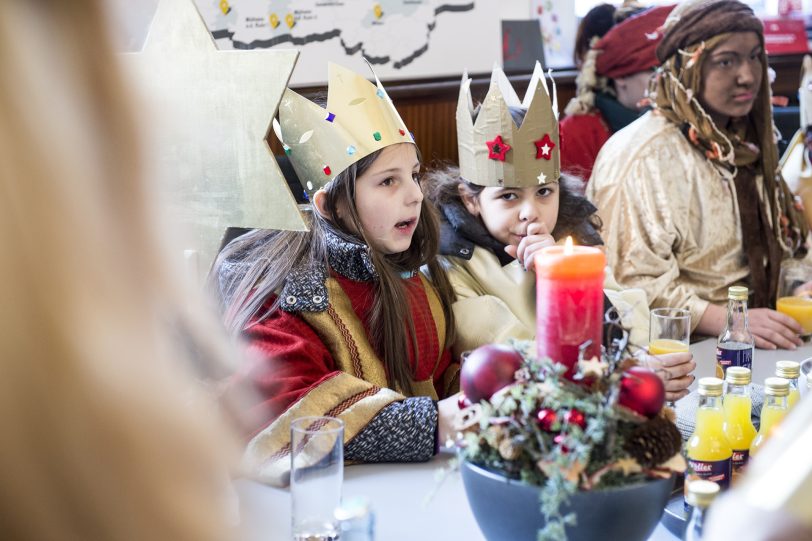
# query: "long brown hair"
x,y
100,440
255,266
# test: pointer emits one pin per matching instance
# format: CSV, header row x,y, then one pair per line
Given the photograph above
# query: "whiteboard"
x,y
402,39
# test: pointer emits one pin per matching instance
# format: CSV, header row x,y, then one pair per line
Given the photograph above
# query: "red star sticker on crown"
x,y
544,147
497,149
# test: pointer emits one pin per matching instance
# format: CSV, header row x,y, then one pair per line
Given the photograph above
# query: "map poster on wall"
x,y
558,27
402,39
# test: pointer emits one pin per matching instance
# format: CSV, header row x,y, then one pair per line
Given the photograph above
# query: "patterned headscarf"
x,y
772,224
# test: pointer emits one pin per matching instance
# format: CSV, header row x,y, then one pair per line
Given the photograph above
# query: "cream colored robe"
x,y
495,303
671,220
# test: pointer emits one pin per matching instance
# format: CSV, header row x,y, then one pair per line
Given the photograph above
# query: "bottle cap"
x,y
738,375
710,386
788,369
701,492
776,387
737,293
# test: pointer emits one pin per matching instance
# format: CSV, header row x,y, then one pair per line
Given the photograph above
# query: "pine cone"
x,y
509,449
654,442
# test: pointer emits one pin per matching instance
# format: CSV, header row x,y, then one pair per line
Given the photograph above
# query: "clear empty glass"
x,y
316,475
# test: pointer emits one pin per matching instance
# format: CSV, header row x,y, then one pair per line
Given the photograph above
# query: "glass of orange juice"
x,y
795,294
669,331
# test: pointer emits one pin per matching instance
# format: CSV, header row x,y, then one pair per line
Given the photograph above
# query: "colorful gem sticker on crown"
x,y
544,147
327,170
330,117
497,149
377,136
351,150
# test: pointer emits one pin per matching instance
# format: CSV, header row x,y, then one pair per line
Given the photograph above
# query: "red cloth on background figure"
x,y
585,135
594,114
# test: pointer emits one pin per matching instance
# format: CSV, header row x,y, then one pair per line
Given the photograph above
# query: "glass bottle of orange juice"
x,y
738,427
790,371
709,453
776,391
736,343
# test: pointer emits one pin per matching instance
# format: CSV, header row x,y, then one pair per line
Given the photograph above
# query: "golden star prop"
x,y
214,159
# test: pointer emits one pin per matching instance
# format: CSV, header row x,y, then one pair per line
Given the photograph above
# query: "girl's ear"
x,y
470,200
320,202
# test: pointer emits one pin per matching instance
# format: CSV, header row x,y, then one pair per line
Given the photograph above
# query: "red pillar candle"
x,y
569,302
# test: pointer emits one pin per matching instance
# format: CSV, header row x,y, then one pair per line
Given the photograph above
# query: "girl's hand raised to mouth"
x,y
537,237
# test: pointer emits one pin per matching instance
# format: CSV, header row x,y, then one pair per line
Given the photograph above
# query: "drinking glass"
x,y
669,332
794,295
316,475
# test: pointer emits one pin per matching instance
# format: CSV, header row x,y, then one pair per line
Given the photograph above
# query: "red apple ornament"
x,y
487,369
546,419
642,391
575,417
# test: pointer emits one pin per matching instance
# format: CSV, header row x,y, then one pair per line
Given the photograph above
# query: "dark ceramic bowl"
x,y
509,510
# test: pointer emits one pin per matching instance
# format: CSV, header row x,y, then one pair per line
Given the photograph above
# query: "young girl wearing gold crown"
x,y
339,318
506,202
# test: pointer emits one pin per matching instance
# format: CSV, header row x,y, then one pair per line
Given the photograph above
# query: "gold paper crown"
x,y
321,143
493,150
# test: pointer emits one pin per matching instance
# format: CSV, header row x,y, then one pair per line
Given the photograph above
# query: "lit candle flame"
x,y
568,246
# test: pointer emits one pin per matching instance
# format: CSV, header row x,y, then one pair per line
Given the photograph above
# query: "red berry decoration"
x,y
642,391
559,440
487,369
462,401
546,419
575,417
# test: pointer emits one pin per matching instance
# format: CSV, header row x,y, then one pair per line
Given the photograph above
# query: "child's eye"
x,y
726,63
544,192
416,177
388,181
508,196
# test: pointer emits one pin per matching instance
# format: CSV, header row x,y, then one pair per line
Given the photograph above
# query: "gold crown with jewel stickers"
x,y
494,151
322,142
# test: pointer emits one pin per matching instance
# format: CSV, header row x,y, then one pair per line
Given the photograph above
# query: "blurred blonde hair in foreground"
x,y
103,437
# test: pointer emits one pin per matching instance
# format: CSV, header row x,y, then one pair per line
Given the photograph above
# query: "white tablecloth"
x,y
399,492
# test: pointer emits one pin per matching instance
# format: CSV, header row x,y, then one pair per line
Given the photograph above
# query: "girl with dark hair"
x,y
611,88
506,202
339,318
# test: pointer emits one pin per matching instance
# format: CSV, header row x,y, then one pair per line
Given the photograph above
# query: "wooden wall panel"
x,y
428,107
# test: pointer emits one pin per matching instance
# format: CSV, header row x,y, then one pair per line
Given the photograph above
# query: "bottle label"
x,y
718,471
727,357
740,458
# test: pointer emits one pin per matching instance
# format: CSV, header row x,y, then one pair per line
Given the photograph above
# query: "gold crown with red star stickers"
x,y
322,142
493,150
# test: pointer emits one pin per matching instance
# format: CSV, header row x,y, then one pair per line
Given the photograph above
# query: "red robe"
x,y
582,137
322,363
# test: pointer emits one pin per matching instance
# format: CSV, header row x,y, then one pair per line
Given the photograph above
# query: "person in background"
x,y
596,23
339,320
611,88
496,219
105,432
690,194
592,26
